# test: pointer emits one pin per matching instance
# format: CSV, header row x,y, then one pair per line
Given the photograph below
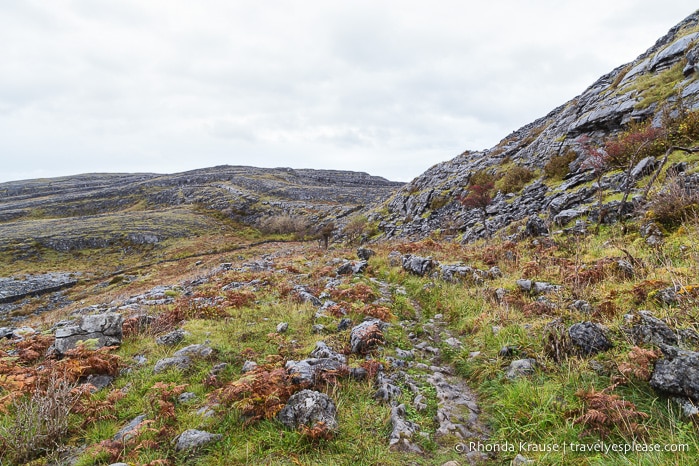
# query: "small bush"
x,y
515,179
558,166
39,422
686,128
482,178
673,204
284,224
356,228
638,141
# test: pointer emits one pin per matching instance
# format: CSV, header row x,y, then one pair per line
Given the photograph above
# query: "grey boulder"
x,y
105,328
309,408
192,439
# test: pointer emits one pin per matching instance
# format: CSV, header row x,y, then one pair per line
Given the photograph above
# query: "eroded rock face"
x,y
106,329
535,226
430,201
457,411
309,408
403,431
13,289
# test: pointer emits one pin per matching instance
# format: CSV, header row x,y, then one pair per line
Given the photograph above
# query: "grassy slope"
x,y
539,409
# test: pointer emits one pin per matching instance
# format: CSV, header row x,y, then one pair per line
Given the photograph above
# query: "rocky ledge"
x,y
14,289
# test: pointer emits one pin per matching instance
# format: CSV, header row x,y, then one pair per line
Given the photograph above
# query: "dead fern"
x,y
640,291
372,367
359,292
93,410
538,308
640,363
378,312
606,309
260,393
330,377
33,348
605,413
162,397
319,431
369,337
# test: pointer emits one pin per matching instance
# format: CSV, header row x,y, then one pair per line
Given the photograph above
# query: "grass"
x,y
656,87
541,409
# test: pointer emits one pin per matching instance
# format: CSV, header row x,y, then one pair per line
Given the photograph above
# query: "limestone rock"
x,y
589,337
418,265
194,351
402,431
677,373
248,366
178,362
129,430
282,327
521,368
365,253
192,439
309,408
367,336
651,330
104,328
171,339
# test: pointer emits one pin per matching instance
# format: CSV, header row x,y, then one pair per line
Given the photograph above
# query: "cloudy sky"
x,y
386,87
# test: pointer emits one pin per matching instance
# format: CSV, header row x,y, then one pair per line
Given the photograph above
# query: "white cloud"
x,y
386,87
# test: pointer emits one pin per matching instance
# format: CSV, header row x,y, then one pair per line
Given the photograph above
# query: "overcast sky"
x,y
386,87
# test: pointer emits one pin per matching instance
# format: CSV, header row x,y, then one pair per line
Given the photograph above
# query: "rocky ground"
x,y
102,210
405,353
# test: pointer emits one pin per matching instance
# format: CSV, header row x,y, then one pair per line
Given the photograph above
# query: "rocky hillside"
x,y
99,210
658,86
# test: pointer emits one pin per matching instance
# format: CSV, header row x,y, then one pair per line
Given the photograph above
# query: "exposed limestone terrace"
x,y
99,210
14,289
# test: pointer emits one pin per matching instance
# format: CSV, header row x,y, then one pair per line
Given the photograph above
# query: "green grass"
x,y
537,410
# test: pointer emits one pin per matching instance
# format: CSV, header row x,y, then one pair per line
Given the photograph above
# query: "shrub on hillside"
x,y
515,179
674,204
638,141
558,166
283,224
686,128
482,178
357,228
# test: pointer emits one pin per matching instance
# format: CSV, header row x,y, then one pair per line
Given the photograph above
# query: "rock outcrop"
x,y
103,329
79,212
309,408
430,201
677,373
